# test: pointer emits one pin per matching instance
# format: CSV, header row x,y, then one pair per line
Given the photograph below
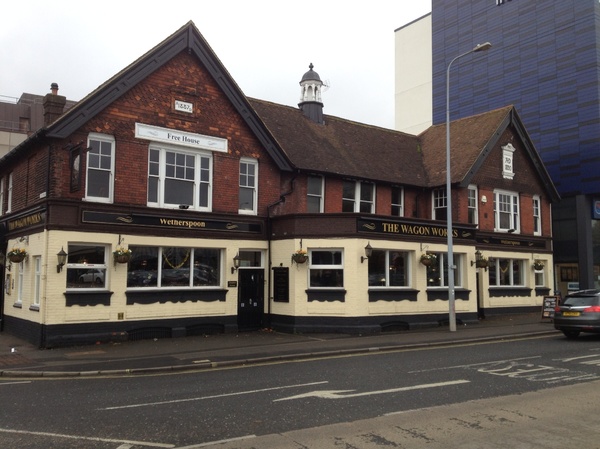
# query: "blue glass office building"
x,y
545,60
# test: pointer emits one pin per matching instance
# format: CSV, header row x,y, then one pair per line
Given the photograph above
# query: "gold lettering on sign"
x,y
183,223
25,221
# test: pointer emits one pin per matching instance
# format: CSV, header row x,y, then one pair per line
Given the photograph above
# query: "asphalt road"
x,y
529,393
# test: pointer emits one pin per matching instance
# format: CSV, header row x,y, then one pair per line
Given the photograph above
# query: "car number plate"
x,y
571,313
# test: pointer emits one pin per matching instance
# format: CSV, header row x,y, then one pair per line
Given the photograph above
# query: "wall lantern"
x,y
368,252
62,259
236,263
480,261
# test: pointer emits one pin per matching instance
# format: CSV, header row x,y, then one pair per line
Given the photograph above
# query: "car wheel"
x,y
571,334
98,281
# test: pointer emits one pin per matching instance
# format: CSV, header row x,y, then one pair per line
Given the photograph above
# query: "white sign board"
x,y
158,134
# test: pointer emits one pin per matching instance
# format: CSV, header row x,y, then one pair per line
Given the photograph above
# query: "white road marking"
x,y
15,383
202,398
76,437
471,365
339,394
229,440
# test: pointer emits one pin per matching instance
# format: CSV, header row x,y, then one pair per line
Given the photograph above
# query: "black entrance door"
x,y
251,298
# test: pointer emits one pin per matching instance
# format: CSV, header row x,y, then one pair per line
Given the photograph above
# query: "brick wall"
x,y
151,102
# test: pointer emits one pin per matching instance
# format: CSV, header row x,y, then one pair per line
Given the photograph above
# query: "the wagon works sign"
x,y
27,221
390,227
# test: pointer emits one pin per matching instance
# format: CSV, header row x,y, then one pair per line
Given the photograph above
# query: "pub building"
x,y
166,203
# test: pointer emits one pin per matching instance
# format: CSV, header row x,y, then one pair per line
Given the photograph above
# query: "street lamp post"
x,y
450,256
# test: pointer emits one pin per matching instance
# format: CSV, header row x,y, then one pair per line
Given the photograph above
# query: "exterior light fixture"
x,y
62,259
236,263
368,252
451,266
480,261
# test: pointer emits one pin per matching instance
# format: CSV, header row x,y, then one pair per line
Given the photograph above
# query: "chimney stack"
x,y
54,105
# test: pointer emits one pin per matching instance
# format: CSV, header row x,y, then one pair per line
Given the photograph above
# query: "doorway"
x,y
251,298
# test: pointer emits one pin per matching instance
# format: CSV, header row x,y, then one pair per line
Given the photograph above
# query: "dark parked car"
x,y
579,312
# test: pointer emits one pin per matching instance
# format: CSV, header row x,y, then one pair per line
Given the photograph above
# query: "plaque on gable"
x,y
507,161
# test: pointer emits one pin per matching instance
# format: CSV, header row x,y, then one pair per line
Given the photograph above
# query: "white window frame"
x,y
539,277
400,204
320,196
537,215
441,266
513,205
106,139
20,282
10,193
252,187
2,196
439,202
384,282
189,262
496,268
161,177
37,281
83,265
357,199
472,204
333,267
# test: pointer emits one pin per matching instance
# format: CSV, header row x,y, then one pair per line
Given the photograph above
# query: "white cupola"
x,y
310,95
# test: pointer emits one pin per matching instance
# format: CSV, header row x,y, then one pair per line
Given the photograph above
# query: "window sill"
x,y
326,294
392,294
508,290
34,308
18,305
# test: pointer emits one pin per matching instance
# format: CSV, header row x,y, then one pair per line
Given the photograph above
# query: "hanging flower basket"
x,y
16,255
122,255
481,263
124,258
299,256
538,265
428,259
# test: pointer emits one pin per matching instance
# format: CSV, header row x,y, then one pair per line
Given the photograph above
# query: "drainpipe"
x,y
269,232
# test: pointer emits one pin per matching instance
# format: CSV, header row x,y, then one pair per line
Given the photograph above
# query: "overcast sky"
x,y
266,45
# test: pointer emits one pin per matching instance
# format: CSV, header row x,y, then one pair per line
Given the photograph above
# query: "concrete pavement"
x,y
21,359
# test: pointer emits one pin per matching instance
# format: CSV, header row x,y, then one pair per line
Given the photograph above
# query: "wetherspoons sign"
x,y
169,222
411,229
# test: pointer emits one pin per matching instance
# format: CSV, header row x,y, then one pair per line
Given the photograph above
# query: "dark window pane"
x,y
98,183
179,192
